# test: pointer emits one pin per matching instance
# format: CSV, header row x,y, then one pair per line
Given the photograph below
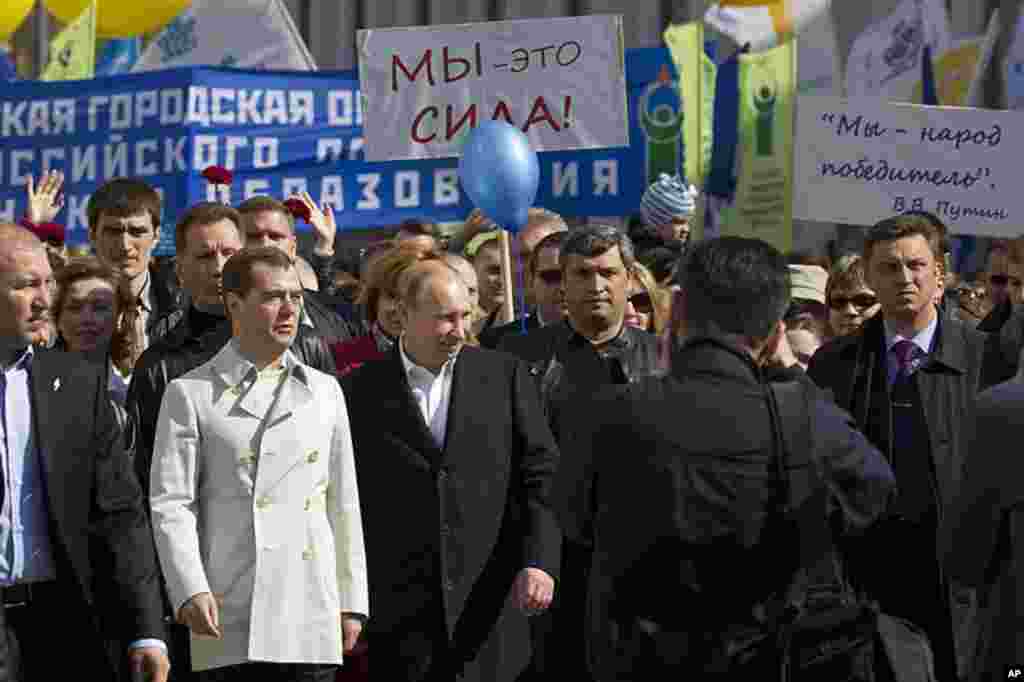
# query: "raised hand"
x,y
324,227
46,200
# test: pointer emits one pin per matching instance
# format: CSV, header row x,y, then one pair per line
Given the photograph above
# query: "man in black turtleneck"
x,y
206,237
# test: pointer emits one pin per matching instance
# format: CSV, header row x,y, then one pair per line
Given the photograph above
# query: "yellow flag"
x,y
697,95
73,50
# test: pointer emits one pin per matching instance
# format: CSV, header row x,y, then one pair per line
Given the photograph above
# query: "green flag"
x,y
73,50
764,191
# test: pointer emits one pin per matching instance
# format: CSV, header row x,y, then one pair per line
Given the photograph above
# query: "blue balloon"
x,y
500,173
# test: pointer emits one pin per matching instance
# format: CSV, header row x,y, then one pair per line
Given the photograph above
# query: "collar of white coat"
x,y
231,367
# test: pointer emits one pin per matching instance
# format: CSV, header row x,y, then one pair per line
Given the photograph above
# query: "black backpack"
x,y
819,629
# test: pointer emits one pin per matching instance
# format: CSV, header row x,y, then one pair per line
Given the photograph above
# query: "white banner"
x,y
247,34
859,161
561,81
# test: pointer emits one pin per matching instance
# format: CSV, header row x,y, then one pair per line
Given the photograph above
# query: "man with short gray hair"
x,y
591,348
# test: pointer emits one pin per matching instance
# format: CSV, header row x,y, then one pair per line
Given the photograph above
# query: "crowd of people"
x,y
246,463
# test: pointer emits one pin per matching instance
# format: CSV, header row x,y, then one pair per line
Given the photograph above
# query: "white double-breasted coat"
x,y
254,499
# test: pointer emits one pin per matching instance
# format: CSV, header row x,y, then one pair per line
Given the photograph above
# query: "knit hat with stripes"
x,y
668,198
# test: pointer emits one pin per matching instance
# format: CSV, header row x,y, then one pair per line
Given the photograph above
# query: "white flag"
x,y
764,24
885,60
247,34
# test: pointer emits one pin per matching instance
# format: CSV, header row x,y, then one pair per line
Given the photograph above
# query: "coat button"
x,y
263,503
307,554
445,530
449,585
313,456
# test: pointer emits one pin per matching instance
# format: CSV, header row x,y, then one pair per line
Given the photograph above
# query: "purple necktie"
x,y
904,352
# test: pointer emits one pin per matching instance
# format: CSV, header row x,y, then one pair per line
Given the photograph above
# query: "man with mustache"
x,y
591,348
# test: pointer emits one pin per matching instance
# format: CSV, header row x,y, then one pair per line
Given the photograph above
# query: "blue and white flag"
x,y
885,59
118,56
244,34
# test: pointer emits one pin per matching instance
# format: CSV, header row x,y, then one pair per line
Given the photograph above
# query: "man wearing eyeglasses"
x,y
544,282
1005,282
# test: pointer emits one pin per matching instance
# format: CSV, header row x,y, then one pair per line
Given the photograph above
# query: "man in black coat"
x,y
455,464
909,377
77,547
984,533
591,348
676,497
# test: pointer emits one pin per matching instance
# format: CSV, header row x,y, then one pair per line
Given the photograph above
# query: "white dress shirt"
x,y
433,392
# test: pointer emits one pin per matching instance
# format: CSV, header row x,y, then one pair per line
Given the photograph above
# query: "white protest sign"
x,y
561,81
859,161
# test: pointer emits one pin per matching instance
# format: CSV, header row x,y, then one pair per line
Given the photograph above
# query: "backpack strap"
x,y
806,498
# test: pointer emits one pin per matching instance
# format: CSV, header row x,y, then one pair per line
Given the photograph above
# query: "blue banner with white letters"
x,y
281,133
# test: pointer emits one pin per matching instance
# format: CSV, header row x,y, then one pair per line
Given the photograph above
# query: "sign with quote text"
x,y
859,161
562,81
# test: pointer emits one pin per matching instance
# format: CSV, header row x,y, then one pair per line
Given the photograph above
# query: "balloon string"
x,y
522,295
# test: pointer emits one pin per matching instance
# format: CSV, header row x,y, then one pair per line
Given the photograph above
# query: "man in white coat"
x,y
254,496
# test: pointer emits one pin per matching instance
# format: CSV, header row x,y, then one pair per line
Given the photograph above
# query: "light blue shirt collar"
x,y
923,339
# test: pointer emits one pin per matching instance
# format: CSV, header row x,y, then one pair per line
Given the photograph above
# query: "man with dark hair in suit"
x,y
909,377
76,549
124,229
455,463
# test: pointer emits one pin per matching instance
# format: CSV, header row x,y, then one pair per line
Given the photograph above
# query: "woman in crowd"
x,y
851,302
379,301
647,305
94,313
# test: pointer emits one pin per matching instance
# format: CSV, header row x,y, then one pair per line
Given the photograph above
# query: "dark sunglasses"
x,y
641,302
550,277
970,293
1002,281
860,301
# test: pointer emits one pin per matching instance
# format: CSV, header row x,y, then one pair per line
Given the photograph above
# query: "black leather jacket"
x,y
565,363
177,353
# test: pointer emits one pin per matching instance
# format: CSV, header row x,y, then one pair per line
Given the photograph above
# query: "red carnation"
x,y
218,175
47,232
297,208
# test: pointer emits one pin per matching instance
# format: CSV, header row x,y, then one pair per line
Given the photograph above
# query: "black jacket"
x,y
565,363
181,351
673,483
492,336
854,369
168,297
449,526
327,319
